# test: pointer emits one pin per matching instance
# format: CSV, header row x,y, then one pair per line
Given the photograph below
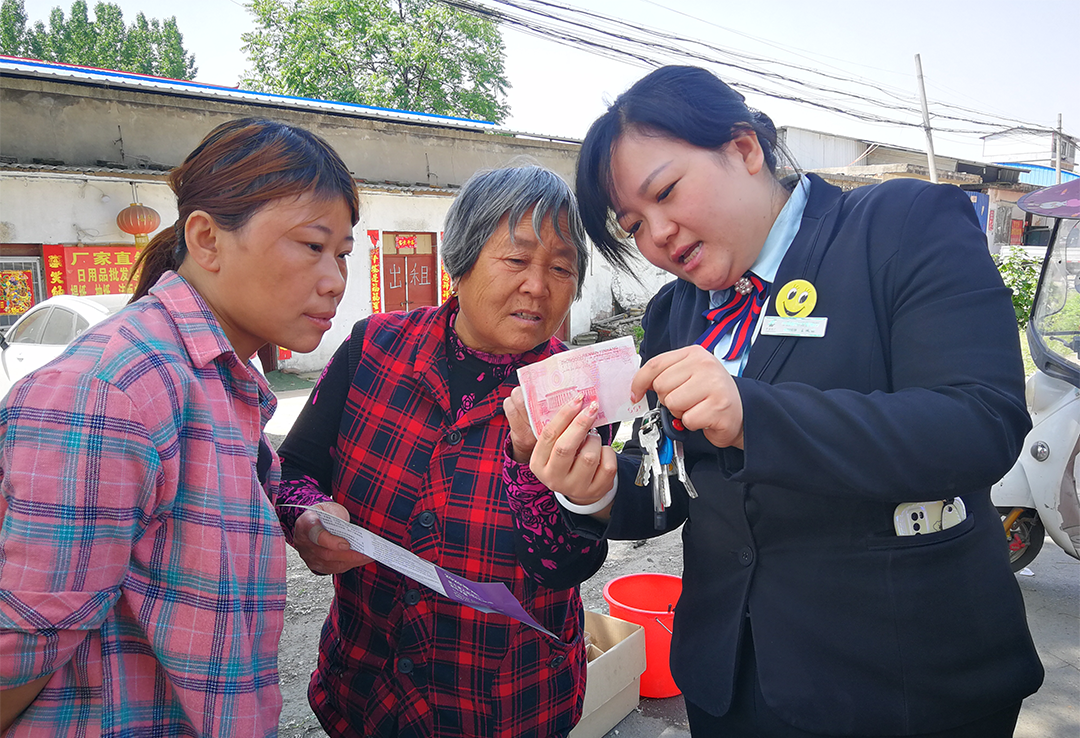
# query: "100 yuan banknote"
x,y
601,372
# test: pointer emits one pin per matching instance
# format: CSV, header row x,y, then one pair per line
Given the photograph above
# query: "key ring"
x,y
673,427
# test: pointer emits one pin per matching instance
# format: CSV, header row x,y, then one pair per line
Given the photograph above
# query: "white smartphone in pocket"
x,y
917,518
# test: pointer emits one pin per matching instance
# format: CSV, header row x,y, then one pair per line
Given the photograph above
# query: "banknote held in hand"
x,y
601,372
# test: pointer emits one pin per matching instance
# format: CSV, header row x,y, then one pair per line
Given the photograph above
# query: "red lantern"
x,y
138,220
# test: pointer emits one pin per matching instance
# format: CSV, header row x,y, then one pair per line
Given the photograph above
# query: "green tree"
x,y
109,45
148,46
36,42
81,37
173,60
14,35
140,50
55,40
416,55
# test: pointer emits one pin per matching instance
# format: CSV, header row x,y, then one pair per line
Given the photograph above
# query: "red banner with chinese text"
x,y
445,288
89,270
376,272
1016,233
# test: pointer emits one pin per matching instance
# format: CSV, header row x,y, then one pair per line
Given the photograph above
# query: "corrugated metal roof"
x,y
415,188
110,78
117,172
1041,176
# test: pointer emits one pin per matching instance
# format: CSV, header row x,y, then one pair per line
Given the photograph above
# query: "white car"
x,y
44,331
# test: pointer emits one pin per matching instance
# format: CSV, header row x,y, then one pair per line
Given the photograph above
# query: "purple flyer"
x,y
487,597
483,596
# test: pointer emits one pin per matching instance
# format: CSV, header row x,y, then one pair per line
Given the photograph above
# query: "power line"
x,y
614,38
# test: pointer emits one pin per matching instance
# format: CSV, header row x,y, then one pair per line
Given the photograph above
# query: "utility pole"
x,y
1057,150
926,123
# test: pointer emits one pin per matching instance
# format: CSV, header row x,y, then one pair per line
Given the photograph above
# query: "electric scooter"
x,y
1039,496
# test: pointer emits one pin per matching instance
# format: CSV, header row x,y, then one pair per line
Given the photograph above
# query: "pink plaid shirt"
x,y
141,561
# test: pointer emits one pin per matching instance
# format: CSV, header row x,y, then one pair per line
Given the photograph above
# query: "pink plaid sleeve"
x,y
77,489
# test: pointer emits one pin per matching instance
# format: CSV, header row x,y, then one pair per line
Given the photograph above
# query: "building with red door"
x,y
80,145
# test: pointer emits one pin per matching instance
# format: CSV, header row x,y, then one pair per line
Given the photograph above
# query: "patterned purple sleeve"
x,y
549,550
301,491
308,452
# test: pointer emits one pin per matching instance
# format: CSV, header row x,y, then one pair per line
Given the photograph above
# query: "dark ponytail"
x,y
240,167
156,258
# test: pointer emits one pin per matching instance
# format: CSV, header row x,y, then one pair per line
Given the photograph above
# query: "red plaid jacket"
x,y
396,658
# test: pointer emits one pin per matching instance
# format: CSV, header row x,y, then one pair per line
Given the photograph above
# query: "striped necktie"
x,y
736,316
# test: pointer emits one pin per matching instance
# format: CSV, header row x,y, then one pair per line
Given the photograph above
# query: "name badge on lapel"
x,y
794,303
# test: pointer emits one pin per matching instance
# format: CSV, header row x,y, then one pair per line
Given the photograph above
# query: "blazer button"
x,y
746,556
556,662
412,596
427,518
453,437
405,666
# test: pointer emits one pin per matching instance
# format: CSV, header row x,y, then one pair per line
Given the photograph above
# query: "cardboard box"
x,y
616,660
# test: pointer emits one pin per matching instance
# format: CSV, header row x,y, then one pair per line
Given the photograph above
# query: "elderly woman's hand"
x,y
323,552
696,388
569,457
522,438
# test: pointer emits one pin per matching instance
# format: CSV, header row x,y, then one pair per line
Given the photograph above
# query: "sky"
x,y
993,57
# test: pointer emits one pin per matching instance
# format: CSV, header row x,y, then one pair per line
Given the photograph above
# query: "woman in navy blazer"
x,y
885,369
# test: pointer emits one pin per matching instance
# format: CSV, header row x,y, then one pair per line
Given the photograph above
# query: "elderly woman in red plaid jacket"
x,y
405,435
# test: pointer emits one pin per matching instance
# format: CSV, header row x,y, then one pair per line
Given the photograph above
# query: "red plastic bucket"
x,y
649,600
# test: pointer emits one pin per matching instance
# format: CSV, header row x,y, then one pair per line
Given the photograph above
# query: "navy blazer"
x,y
914,393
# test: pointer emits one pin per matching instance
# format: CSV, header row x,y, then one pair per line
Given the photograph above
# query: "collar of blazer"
x,y
802,261
684,320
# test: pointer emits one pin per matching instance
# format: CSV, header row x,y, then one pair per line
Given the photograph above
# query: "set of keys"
x,y
661,436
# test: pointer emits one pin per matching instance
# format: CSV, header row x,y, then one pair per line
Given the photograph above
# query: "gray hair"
x,y
490,194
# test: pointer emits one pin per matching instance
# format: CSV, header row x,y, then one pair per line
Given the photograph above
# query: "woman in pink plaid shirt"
x,y
142,585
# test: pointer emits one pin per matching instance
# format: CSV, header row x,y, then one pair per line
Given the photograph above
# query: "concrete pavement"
x,y
1051,589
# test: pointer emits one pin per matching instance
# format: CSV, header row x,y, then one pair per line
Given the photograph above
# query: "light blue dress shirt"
x,y
772,253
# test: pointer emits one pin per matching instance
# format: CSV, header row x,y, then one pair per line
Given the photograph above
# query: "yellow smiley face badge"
x,y
796,299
